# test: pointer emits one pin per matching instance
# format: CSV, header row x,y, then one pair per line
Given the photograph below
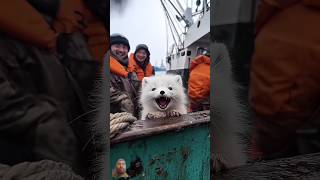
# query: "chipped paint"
x,y
172,155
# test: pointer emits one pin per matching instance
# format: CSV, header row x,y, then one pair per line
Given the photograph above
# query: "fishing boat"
x,y
176,147
160,70
190,32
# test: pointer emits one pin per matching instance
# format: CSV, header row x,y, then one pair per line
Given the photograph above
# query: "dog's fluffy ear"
x,y
144,82
178,79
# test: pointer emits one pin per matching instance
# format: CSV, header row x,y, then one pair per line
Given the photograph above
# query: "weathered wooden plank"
x,y
142,129
298,167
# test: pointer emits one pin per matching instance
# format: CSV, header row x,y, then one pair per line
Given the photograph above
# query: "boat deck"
x,y
145,128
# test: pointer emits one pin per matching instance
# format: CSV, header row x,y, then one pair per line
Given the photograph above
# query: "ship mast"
x,y
176,14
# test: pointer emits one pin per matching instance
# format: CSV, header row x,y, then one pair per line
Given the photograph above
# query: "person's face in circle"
x,y
121,167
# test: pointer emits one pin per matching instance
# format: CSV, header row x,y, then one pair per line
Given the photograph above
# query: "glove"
x,y
132,76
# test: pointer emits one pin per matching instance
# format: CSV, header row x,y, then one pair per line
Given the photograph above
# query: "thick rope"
x,y
119,122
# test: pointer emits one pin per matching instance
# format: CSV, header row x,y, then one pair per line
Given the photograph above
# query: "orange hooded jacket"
x,y
20,20
134,67
282,54
284,79
199,78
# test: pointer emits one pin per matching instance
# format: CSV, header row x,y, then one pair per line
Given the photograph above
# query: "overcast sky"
x,y
142,22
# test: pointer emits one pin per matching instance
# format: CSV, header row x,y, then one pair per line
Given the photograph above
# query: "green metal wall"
x,y
183,155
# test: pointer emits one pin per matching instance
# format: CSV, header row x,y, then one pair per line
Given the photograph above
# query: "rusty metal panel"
x,y
174,155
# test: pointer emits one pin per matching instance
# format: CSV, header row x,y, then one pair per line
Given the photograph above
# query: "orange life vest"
x,y
134,67
20,20
117,68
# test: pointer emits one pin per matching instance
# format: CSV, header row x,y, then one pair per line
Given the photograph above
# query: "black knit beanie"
x,y
119,39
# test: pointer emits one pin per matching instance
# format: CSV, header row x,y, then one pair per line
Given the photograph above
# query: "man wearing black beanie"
x,y
124,84
119,46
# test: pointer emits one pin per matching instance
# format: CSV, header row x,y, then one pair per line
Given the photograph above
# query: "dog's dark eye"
x,y
170,88
153,89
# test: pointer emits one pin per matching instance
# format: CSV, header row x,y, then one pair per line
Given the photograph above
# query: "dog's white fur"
x,y
151,88
229,149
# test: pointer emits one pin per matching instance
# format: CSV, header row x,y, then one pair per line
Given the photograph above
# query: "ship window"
x,y
183,53
188,53
198,24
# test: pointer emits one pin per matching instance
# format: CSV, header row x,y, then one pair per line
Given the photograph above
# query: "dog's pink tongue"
x,y
163,102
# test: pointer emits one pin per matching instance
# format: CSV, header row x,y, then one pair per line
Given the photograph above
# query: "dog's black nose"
x,y
162,92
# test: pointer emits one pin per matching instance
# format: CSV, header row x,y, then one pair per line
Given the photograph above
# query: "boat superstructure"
x,y
190,30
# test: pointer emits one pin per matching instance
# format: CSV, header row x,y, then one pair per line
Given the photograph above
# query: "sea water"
x,y
160,72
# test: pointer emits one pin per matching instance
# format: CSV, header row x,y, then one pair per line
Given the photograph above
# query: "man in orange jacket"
x,y
285,80
140,62
199,83
124,84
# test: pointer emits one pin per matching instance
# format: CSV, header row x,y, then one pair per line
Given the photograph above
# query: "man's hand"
x,y
132,76
70,18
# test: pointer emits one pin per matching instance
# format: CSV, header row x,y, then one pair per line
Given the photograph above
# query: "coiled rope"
x,y
119,122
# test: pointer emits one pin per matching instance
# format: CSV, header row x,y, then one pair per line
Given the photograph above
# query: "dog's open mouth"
x,y
163,102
